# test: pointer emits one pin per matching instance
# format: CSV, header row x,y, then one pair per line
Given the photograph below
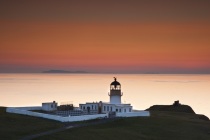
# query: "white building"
x,y
114,105
50,106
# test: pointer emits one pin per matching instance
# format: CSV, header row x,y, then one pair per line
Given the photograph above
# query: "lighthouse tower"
x,y
115,92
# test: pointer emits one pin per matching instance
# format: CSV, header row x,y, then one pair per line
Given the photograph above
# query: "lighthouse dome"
x,y
115,83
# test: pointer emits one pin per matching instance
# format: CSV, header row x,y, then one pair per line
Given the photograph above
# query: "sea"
x,y
141,90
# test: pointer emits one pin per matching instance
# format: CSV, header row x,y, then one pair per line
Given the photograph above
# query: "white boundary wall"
x,y
28,108
134,114
24,111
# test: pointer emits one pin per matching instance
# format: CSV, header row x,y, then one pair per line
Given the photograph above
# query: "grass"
x,y
14,126
160,126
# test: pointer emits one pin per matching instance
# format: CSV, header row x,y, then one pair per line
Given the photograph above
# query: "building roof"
x,y
106,103
50,102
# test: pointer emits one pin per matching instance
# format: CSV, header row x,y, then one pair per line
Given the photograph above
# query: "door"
x,y
88,109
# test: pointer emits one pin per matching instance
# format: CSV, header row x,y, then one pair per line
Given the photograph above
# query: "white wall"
x,y
25,111
54,117
114,107
28,108
95,106
134,114
115,99
49,106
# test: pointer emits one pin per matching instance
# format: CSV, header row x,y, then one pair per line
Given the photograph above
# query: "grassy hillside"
x,y
160,126
13,126
172,108
177,108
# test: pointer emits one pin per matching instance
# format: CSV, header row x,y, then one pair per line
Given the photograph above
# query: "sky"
x,y
120,36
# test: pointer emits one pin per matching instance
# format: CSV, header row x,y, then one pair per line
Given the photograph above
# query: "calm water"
x,y
140,90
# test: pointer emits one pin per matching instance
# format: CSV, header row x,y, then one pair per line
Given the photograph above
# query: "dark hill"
x,y
15,126
176,107
172,108
162,125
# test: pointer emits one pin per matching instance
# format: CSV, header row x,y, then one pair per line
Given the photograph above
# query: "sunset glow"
x,y
98,37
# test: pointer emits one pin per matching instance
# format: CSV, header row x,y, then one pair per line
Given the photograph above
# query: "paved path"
x,y
68,126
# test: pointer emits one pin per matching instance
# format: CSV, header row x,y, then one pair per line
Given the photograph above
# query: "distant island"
x,y
63,71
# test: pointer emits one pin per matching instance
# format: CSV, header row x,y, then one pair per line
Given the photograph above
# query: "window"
x,y
119,110
81,107
104,108
84,107
130,109
116,110
111,109
51,105
124,110
92,107
107,108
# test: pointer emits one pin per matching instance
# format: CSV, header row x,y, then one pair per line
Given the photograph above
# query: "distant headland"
x,y
177,107
63,71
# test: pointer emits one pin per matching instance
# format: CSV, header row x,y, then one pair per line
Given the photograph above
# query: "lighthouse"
x,y
114,105
115,92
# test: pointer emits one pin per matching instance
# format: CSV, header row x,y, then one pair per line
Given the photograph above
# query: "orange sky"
x,y
128,37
